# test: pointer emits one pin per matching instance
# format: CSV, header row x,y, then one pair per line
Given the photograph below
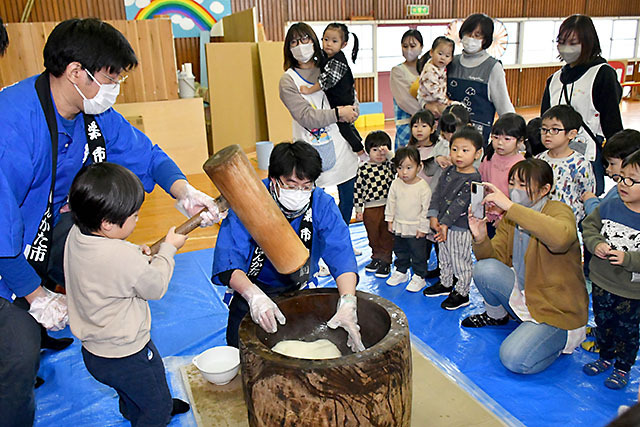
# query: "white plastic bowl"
x,y
218,365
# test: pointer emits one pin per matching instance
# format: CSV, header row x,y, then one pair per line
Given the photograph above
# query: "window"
x,y
604,30
623,38
510,55
539,41
390,47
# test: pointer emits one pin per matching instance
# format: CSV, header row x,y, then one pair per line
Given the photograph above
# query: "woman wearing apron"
x,y
475,78
402,76
590,86
314,121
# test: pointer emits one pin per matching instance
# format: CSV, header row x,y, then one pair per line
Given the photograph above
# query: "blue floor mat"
x,y
191,318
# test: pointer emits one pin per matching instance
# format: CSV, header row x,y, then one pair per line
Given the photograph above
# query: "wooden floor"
x,y
158,214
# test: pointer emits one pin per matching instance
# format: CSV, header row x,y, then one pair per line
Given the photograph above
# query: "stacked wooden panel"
x,y
153,80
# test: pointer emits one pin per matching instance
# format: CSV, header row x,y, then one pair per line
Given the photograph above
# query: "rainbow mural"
x,y
185,8
189,17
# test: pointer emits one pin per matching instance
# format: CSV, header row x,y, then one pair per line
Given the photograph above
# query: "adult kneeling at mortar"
x,y
239,262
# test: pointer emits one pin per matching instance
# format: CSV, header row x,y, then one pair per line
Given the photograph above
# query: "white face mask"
x,y
294,200
411,54
570,53
471,45
520,197
104,99
303,52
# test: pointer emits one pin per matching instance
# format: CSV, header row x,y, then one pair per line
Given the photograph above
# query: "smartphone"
x,y
477,195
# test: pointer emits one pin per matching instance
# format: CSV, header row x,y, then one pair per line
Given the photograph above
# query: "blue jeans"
x,y
531,347
345,204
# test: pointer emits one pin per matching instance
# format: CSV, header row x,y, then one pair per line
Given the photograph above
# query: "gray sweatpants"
x,y
455,260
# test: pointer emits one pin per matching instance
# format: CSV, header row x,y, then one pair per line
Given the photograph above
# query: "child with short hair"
x,y
612,233
406,215
448,218
617,148
433,79
453,118
533,136
336,78
371,189
572,173
108,283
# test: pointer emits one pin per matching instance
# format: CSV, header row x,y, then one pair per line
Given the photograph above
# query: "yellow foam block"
x,y
360,122
376,119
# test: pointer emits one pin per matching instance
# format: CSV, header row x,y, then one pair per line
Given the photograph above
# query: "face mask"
x,y
303,52
294,200
520,197
411,55
570,53
104,99
471,45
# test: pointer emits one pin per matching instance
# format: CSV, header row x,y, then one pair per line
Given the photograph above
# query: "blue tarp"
x,y
191,318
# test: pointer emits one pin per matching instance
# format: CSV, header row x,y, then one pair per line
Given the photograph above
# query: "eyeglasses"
x,y
307,187
111,79
505,138
119,80
552,131
629,182
304,40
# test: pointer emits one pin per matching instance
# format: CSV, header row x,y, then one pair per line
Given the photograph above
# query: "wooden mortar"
x,y
372,387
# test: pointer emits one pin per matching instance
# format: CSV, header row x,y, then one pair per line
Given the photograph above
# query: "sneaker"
x,y
416,284
372,266
617,380
454,301
436,290
597,367
384,268
432,274
483,319
396,278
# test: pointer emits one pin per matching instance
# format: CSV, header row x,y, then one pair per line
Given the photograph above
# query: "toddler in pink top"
x,y
508,146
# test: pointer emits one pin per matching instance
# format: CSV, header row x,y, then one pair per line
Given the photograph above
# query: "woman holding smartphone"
x,y
530,271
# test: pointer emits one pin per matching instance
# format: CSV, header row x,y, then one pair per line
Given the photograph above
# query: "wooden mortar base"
x,y
437,399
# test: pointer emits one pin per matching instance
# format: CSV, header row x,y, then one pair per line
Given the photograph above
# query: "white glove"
x,y
50,310
347,318
264,311
193,201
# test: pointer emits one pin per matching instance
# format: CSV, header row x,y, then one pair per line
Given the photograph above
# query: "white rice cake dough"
x,y
320,349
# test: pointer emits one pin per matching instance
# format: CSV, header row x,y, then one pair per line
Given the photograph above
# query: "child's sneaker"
x,y
372,266
436,290
454,301
617,380
416,284
396,278
384,268
597,367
